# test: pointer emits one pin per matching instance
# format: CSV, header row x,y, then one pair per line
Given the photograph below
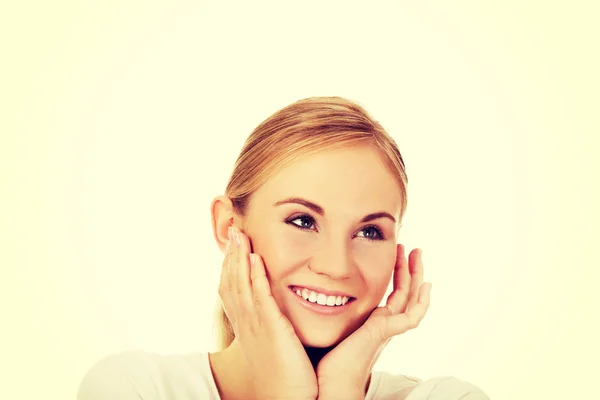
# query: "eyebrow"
x,y
319,210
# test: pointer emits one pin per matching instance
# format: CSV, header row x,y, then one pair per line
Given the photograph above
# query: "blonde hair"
x,y
300,129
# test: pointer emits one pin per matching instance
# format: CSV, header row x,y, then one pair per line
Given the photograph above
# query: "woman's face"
x,y
310,223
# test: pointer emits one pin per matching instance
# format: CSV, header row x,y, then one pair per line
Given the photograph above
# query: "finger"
x,y
228,255
224,277
416,272
225,285
240,271
398,299
231,256
400,323
263,298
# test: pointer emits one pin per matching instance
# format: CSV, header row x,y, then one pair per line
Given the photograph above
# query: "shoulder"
x,y
437,388
142,375
447,388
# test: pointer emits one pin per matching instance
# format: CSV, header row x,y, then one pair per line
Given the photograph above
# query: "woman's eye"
x,y
372,233
306,222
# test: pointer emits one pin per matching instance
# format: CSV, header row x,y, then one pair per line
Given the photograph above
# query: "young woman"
x,y
308,226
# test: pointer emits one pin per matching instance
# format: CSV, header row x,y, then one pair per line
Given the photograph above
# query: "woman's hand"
x,y
274,354
344,372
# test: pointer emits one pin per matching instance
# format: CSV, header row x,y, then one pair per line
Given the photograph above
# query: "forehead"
x,y
351,180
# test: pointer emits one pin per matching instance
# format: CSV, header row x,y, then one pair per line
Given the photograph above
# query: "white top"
x,y
139,375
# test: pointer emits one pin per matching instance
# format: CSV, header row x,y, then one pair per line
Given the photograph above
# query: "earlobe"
x,y
222,218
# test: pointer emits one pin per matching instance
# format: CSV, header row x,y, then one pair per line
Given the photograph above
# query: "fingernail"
x,y
252,259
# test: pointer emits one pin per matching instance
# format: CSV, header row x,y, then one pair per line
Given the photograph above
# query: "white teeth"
x,y
321,298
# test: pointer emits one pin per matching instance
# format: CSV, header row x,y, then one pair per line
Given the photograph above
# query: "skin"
x,y
334,252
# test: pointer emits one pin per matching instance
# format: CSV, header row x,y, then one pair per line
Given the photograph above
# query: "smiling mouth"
x,y
320,298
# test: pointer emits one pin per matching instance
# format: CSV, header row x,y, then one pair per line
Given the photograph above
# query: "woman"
x,y
308,227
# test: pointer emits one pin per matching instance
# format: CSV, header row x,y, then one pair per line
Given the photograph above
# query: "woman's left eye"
x,y
372,233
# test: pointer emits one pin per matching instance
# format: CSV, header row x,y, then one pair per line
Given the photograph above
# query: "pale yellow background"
x,y
122,119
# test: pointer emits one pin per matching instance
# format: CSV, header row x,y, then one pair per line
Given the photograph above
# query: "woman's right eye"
x,y
306,222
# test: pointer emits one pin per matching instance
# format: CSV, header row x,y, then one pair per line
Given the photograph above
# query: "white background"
x,y
123,121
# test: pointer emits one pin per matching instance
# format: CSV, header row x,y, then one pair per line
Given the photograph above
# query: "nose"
x,y
333,259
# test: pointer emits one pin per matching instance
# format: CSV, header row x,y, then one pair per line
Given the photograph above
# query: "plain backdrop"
x,y
122,121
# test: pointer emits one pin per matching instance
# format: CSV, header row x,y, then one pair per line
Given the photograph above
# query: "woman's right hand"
x,y
273,352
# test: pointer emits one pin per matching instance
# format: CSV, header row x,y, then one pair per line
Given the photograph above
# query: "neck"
x,y
316,354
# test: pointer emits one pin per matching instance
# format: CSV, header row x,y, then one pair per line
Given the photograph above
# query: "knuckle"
x,y
239,288
256,283
257,298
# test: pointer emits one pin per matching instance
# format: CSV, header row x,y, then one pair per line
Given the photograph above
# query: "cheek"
x,y
282,251
376,265
300,243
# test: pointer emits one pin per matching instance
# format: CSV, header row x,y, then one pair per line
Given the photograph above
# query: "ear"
x,y
222,213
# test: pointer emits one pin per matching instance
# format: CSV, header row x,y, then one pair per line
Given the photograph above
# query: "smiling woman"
x,y
308,226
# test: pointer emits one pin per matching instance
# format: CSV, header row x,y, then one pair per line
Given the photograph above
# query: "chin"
x,y
319,340
321,337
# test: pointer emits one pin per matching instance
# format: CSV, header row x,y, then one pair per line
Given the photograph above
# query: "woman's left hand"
x,y
345,371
